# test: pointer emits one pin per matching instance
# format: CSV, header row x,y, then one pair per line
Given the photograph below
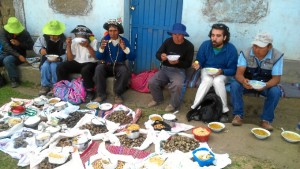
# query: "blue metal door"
x,y
150,21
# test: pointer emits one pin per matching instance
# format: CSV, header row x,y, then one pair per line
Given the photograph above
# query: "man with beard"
x,y
216,53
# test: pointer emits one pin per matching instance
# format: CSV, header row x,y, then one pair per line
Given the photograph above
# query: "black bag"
x,y
2,81
210,109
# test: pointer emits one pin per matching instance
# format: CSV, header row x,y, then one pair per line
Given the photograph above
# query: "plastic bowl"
x,y
58,157
13,121
203,156
257,84
93,105
154,117
52,57
173,57
42,138
17,110
290,136
201,133
216,126
54,100
32,121
60,106
133,131
211,70
260,133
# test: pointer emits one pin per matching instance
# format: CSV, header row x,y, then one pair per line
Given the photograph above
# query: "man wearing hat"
x,y
172,72
264,63
81,58
113,52
222,55
51,43
15,41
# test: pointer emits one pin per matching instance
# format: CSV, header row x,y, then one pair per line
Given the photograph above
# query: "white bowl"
x,y
290,136
52,57
60,106
93,105
38,101
42,138
155,117
173,57
54,100
211,70
105,106
257,84
13,121
57,157
32,121
260,133
79,40
216,126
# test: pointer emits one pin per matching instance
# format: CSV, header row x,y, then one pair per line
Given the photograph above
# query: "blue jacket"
x,y
226,59
116,50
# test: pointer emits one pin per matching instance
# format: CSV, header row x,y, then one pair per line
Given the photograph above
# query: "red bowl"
x,y
16,110
201,133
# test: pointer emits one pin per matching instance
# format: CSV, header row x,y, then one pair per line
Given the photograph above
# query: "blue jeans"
x,y
9,63
272,95
48,73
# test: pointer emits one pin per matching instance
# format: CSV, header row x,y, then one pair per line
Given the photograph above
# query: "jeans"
x,y
48,73
272,96
9,63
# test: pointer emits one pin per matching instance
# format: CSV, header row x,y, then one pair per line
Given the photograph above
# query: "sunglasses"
x,y
220,26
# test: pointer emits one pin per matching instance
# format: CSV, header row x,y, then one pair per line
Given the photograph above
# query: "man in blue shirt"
x,y
221,55
263,63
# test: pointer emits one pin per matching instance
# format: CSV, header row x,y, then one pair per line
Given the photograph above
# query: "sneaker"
x,y
169,108
44,90
14,84
224,118
152,104
118,99
100,99
89,96
237,121
266,125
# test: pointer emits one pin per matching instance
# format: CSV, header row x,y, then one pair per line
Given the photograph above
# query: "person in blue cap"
x,y
176,55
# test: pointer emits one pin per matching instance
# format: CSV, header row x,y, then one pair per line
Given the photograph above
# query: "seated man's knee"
x,y
100,68
274,92
219,81
235,84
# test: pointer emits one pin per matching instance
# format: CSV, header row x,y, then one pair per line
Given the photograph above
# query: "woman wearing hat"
x,y
172,72
51,43
15,41
80,58
113,52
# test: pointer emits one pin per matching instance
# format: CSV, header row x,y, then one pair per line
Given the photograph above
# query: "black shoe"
x,y
89,96
224,118
14,83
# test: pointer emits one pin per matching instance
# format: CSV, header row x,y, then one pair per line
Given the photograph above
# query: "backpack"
x,y
73,92
139,82
209,110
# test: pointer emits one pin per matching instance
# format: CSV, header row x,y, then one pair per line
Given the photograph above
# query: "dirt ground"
x,y
244,149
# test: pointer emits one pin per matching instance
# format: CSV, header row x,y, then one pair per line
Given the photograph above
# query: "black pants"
x,y
121,74
86,70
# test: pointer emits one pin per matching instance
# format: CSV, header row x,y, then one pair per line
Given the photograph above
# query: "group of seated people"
x,y
81,54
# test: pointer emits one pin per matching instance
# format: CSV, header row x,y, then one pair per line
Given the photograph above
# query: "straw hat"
x,y
54,27
13,26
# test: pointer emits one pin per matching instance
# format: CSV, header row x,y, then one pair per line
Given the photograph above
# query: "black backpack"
x,y
210,109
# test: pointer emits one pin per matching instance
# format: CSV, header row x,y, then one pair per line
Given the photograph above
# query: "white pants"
x,y
217,82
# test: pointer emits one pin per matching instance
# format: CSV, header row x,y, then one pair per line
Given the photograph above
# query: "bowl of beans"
x,y
201,133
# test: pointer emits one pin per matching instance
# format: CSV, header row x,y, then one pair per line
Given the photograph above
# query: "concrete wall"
x,y
91,13
244,17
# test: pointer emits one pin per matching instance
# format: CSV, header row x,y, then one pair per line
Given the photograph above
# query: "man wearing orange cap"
x,y
15,41
52,43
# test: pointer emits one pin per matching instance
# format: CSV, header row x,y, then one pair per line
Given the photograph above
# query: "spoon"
x,y
282,129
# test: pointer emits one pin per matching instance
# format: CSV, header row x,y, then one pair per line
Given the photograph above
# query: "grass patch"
x,y
7,93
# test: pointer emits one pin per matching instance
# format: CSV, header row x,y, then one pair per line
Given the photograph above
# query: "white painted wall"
x,y
281,21
38,13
